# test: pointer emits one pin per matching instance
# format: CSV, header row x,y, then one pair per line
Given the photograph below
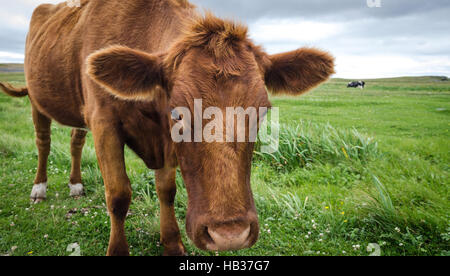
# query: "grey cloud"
x,y
412,28
12,41
332,9
402,26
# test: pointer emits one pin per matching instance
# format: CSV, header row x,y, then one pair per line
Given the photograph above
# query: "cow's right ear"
x,y
127,73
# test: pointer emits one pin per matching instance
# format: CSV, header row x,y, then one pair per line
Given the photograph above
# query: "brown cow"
x,y
118,68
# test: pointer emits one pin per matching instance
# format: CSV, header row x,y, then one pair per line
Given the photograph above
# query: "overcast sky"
x,y
402,37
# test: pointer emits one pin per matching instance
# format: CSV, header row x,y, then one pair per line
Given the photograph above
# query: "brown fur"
x,y
298,71
14,92
83,65
220,38
126,73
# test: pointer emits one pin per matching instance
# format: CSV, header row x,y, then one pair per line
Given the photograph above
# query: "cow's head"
x,y
216,62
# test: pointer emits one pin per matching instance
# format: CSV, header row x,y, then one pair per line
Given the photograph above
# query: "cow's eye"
x,y
176,116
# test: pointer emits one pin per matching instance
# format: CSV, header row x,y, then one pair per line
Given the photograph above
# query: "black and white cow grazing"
x,y
356,84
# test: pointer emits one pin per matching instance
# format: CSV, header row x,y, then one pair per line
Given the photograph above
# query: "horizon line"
x,y
335,77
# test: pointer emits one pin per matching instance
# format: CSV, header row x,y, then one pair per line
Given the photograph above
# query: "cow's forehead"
x,y
202,61
203,76
218,90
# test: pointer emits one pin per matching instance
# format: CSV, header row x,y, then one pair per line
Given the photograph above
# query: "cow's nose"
x,y
229,237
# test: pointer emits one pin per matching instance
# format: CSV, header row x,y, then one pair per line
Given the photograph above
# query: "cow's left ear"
x,y
296,72
127,73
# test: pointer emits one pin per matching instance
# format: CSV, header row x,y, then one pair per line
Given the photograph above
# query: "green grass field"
x,y
355,168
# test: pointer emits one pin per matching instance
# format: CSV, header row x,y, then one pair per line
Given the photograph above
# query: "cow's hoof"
x,y
39,193
76,190
177,250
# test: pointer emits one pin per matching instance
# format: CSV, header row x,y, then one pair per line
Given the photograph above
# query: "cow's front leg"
x,y
170,232
109,147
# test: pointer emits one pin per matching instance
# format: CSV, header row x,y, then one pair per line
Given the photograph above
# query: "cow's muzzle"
x,y
227,235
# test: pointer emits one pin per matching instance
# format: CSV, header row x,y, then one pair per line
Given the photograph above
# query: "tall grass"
x,y
307,143
379,207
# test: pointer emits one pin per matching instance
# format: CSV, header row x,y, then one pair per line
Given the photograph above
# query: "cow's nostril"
x,y
229,239
207,236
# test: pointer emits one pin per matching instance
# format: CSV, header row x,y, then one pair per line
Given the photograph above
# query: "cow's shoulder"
x,y
43,12
50,23
61,12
